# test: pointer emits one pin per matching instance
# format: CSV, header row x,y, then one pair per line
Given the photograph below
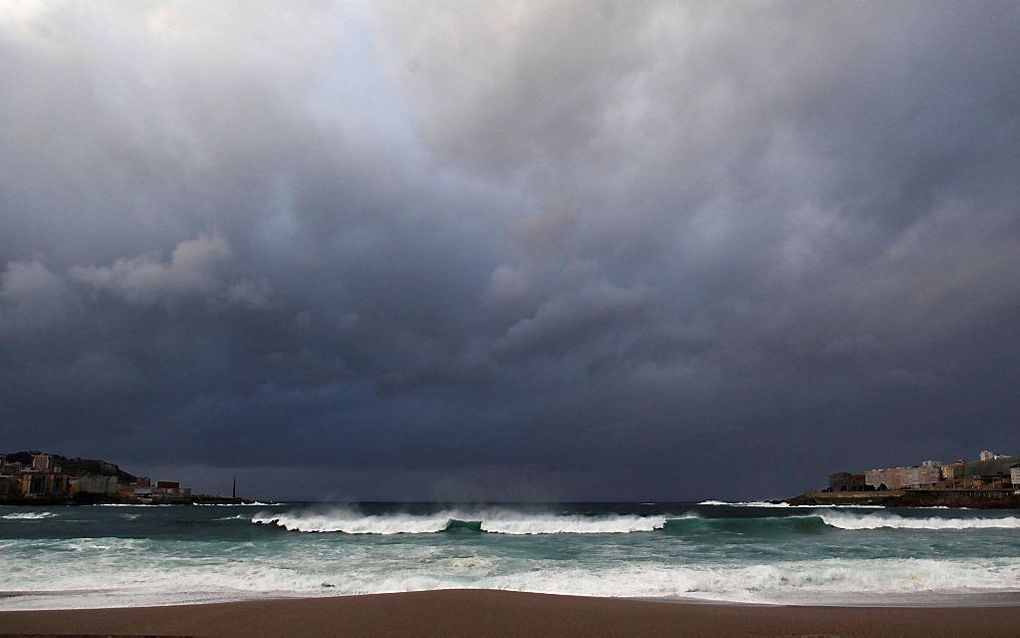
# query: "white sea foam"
x,y
791,564
785,504
746,503
844,520
252,504
352,522
144,505
27,516
552,524
142,577
776,581
493,521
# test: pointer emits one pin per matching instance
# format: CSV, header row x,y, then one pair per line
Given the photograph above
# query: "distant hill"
x,y
990,467
76,466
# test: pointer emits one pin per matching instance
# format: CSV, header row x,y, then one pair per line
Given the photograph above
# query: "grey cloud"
x,y
256,294
32,298
29,281
145,280
571,318
193,270
599,244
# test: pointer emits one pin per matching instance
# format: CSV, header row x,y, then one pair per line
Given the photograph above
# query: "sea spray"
x,y
352,522
26,516
784,504
892,521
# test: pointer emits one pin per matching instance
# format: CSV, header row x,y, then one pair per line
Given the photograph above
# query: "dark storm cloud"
x,y
578,250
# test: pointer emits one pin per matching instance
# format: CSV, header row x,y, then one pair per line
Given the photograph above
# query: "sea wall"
x,y
974,499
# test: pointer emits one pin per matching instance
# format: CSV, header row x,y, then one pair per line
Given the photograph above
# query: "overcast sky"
x,y
502,250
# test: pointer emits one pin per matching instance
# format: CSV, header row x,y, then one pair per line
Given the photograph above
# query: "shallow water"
x,y
66,557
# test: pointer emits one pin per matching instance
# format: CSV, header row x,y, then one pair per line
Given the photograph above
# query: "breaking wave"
x,y
520,523
796,556
770,504
843,520
514,523
828,520
27,516
746,503
574,525
350,522
251,504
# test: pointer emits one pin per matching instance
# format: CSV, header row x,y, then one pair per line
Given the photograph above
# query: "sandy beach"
x,y
478,613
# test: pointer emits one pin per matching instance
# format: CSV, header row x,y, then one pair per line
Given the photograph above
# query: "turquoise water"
x,y
62,557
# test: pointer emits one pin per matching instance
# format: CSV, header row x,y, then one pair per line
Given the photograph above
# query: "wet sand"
x,y
477,614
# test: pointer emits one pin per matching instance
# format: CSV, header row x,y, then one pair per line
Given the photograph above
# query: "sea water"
x,y
72,557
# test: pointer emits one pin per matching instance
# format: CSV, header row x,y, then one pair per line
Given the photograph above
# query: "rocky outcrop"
x,y
911,498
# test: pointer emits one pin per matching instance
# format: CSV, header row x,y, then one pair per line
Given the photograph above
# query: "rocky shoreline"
x,y
96,499
991,499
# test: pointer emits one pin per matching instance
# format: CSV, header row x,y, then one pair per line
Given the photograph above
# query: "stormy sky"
x,y
508,250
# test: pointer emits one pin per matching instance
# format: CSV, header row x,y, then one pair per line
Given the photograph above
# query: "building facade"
x,y
97,484
41,462
895,478
847,482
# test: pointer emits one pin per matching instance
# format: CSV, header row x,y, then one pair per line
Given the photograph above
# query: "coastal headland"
x,y
480,613
972,499
991,482
44,479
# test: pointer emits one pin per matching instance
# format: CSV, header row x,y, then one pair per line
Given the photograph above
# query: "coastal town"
x,y
991,481
41,478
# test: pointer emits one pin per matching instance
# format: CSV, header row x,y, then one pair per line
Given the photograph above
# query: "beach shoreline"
x,y
454,612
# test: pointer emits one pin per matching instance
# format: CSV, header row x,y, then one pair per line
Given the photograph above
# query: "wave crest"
x,y
27,516
842,520
349,521
746,503
553,524
495,522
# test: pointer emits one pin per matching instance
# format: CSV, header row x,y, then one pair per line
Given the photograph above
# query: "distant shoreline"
x,y
952,499
190,500
887,499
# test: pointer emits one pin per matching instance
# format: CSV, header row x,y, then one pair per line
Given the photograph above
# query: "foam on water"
x,y
733,553
27,516
348,521
746,503
105,571
493,521
352,522
252,504
844,520
770,504
134,505
552,524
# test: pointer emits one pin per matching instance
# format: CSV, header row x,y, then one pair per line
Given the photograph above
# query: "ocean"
x,y
104,556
